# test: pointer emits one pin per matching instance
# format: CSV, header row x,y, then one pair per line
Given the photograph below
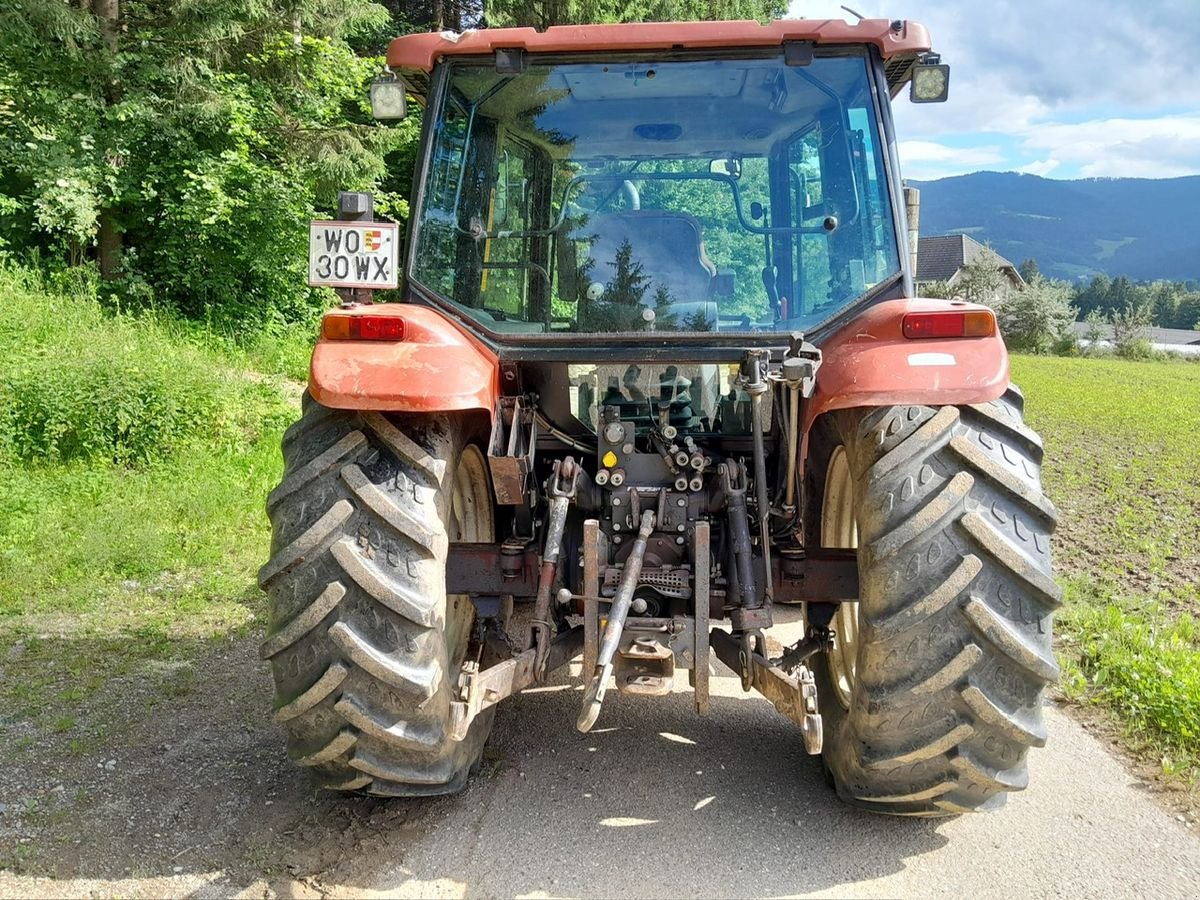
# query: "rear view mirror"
x,y
388,102
731,167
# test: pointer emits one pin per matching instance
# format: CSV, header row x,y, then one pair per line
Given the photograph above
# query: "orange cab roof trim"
x,y
419,52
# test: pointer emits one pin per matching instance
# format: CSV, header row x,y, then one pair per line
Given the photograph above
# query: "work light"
x,y
930,81
387,97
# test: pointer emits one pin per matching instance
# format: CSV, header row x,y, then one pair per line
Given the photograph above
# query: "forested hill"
x,y
1143,228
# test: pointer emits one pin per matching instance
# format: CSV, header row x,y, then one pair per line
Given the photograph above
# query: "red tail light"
x,y
336,327
950,324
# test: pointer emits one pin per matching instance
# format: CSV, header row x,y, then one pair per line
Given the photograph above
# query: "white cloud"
x,y
1163,147
927,160
1026,69
1071,52
1041,167
932,151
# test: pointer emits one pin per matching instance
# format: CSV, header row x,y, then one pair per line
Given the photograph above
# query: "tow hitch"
x,y
794,696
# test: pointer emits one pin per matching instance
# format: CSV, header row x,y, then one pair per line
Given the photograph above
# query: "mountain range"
x,y
1143,228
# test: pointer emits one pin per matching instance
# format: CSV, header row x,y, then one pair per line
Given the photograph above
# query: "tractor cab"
x,y
721,191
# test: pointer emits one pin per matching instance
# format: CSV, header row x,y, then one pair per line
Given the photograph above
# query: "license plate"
x,y
353,254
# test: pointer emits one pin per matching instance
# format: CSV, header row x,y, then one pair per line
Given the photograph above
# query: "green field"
x,y
1123,465
135,454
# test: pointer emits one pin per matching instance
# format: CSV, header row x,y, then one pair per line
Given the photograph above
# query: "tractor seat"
x,y
667,245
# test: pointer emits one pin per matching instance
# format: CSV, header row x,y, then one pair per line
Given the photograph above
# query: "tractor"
x,y
656,371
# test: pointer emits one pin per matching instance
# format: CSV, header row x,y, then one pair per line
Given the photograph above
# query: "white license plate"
x,y
353,254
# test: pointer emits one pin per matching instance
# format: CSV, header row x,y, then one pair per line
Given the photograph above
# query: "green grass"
x,y
1123,466
135,456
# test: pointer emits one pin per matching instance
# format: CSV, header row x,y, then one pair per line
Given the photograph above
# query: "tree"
x,y
981,280
196,137
620,307
542,14
1029,270
1131,330
1122,294
434,15
664,317
1093,296
1187,314
1096,332
1035,318
1163,301
941,290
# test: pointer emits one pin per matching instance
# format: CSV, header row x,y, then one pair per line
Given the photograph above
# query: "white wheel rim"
x,y
469,520
470,506
839,530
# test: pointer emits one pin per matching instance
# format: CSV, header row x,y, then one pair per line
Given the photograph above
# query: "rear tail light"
x,y
950,324
362,328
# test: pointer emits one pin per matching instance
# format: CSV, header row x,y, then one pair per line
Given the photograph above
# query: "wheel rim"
x,y
469,521
470,507
839,530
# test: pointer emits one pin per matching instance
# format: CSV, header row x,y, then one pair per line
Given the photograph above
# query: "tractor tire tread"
x,y
360,630
955,609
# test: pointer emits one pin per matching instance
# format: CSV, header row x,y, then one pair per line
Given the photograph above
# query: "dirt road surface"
x,y
195,798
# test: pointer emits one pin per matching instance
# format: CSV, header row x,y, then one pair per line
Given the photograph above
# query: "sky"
x,y
1057,88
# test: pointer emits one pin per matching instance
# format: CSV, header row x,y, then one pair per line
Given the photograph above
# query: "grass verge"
x,y
1121,464
134,459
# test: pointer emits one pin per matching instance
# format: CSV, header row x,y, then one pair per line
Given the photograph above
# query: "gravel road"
x,y
655,802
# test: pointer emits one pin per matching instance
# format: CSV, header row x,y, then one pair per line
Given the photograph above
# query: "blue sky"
x,y
1058,88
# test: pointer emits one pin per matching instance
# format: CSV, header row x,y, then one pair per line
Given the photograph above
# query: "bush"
x,y
1035,318
1131,330
76,384
1066,344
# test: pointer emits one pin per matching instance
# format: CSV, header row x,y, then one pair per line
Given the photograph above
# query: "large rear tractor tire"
x,y
933,693
363,641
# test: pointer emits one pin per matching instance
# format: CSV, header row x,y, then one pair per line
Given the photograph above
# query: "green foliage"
x,y
1120,465
621,308
1095,332
78,385
1131,330
201,135
939,290
1035,317
106,569
1166,304
1144,663
544,13
981,280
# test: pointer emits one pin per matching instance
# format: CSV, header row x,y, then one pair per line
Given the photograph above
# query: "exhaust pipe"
x,y
912,209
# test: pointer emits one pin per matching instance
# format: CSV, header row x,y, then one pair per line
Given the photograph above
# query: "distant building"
x,y
943,258
1175,340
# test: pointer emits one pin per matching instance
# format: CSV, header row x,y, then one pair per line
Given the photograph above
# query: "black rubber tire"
x,y
955,607
362,639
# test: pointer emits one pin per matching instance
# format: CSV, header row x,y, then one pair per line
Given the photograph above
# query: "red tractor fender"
x,y
436,367
869,362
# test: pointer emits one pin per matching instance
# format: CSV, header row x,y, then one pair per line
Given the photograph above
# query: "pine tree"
x,y
542,14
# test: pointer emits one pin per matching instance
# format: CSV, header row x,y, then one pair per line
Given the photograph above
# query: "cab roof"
x,y
898,42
